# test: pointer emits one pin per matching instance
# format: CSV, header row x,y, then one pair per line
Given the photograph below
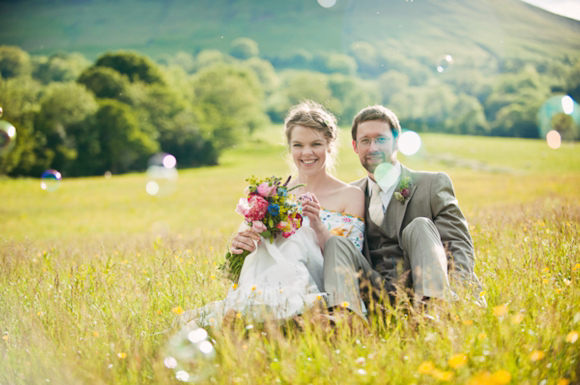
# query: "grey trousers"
x,y
348,276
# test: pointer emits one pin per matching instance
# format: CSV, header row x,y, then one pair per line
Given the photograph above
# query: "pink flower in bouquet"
x,y
405,192
242,206
265,190
259,226
294,224
258,208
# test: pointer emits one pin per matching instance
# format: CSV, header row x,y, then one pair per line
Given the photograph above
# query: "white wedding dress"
x,y
281,279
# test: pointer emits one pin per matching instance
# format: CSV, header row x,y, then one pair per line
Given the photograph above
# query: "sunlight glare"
x,y
409,143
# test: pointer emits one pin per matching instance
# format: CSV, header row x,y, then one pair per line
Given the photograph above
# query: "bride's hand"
x,y
311,209
244,240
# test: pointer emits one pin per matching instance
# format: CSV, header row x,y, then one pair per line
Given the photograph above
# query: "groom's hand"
x,y
244,240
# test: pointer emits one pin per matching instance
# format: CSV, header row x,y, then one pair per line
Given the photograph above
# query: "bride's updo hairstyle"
x,y
312,115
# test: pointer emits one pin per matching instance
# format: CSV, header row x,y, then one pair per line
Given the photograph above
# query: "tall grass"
x,y
93,275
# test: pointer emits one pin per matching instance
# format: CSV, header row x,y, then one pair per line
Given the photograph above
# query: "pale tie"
x,y
376,205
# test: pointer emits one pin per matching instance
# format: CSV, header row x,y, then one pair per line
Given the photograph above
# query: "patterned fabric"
x,y
342,224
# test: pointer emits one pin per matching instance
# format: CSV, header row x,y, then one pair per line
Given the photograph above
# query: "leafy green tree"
x,y
105,82
19,101
391,83
122,146
341,63
366,56
265,72
573,82
14,61
135,66
209,57
64,119
244,48
228,102
353,94
61,67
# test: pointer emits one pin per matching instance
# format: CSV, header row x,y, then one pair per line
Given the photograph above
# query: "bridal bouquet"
x,y
270,210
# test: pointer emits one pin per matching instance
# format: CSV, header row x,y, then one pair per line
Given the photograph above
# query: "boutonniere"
x,y
404,189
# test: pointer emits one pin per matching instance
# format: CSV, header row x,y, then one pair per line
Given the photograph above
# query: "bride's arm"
x,y
354,199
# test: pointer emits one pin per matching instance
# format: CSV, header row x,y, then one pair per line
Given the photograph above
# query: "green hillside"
x,y
467,29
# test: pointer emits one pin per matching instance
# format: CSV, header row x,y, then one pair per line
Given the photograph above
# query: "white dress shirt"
x,y
388,184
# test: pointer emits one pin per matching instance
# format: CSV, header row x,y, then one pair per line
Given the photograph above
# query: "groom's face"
x,y
375,144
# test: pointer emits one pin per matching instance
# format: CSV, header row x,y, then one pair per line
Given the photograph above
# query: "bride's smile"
x,y
309,150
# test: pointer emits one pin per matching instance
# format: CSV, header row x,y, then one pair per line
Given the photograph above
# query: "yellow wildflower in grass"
x,y
125,262
457,360
177,310
563,381
545,281
426,367
442,375
468,322
483,378
481,336
345,304
238,315
319,298
158,311
546,269
537,355
500,311
212,277
40,313
517,318
122,355
567,282
558,291
95,334
5,337
235,286
572,337
501,377
482,293
211,248
576,267
253,288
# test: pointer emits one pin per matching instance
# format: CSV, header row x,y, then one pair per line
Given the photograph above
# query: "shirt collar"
x,y
388,180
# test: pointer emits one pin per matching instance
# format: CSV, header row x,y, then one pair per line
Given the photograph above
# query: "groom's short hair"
x,y
376,112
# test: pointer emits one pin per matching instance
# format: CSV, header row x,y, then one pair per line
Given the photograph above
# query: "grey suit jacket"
x,y
432,196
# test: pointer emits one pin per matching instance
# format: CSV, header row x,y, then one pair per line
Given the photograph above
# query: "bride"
x,y
285,278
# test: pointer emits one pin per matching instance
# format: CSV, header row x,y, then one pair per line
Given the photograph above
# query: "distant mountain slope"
x,y
472,29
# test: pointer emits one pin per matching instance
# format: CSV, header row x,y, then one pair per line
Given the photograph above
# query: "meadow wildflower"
x,y
235,286
345,304
563,381
362,372
501,377
482,378
572,337
122,355
537,355
426,367
442,375
177,310
457,360
516,319
95,334
482,336
468,322
500,311
253,288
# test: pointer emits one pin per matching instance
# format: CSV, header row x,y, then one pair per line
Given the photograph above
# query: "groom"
x,y
416,236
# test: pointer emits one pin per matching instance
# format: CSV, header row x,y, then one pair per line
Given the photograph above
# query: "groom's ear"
x,y
354,146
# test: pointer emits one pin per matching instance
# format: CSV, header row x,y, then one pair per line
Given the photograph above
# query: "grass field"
x,y
92,274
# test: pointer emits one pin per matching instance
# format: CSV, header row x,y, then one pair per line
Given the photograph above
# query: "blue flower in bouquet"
x,y
274,209
282,191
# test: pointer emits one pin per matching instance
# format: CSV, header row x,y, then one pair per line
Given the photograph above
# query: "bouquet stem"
x,y
233,265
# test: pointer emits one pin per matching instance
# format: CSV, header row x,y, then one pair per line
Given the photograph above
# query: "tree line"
x,y
86,118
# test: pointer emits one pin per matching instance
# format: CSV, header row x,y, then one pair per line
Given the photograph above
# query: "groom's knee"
x,y
338,249
419,226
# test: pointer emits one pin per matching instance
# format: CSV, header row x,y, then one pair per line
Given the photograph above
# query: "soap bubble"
x,y
161,175
7,137
191,354
554,139
1,112
444,63
409,143
327,3
50,180
382,173
562,114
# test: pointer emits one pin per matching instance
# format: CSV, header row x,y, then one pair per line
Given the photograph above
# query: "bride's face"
x,y
309,150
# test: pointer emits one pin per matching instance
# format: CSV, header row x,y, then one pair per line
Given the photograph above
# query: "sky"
x,y
568,8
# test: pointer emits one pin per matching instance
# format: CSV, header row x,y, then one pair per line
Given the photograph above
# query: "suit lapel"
x,y
401,207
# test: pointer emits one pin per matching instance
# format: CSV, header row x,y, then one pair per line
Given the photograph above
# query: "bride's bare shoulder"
x,y
353,199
